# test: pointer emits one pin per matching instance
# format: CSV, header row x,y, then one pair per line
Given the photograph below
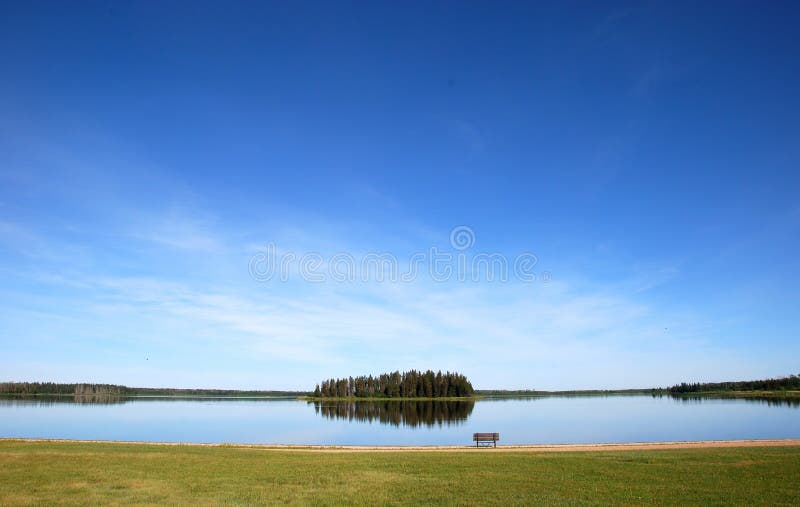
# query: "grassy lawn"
x,y
81,473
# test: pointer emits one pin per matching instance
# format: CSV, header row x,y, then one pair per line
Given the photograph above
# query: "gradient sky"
x,y
647,153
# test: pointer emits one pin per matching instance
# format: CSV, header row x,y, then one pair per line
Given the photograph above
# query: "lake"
x,y
545,420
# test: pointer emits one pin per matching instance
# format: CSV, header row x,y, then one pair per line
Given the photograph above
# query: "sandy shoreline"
x,y
632,446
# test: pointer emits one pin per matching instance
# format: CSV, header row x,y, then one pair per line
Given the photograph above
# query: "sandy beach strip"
x,y
532,448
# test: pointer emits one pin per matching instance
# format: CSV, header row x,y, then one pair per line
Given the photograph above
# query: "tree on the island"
x,y
410,384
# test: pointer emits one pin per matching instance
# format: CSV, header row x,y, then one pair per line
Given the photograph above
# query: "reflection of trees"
x,y
98,399
769,401
45,401
396,412
113,399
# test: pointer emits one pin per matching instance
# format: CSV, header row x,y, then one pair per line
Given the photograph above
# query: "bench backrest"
x,y
485,437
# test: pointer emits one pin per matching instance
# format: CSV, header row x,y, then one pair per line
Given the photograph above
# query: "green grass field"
x,y
35,473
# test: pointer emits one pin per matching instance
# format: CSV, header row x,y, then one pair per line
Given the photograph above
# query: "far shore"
x,y
628,446
478,396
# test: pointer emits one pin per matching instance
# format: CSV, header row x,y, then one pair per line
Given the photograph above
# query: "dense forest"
x,y
52,388
26,388
792,382
409,384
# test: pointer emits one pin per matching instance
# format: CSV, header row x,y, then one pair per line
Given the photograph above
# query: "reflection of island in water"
x,y
398,412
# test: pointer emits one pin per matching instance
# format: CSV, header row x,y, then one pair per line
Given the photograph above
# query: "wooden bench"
x,y
485,439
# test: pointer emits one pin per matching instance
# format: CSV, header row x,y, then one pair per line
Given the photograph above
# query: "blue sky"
x,y
647,154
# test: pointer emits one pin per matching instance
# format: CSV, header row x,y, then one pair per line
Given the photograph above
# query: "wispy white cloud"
x,y
176,278
177,231
339,327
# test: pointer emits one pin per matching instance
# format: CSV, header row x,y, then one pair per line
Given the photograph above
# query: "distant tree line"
x,y
82,389
409,384
792,382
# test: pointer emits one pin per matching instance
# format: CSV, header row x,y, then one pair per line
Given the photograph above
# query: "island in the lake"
x,y
409,384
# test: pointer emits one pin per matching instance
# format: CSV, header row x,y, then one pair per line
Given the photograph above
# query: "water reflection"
x,y
112,399
398,412
46,401
771,402
541,420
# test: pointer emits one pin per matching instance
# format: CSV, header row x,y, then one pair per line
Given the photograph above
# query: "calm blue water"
x,y
519,421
